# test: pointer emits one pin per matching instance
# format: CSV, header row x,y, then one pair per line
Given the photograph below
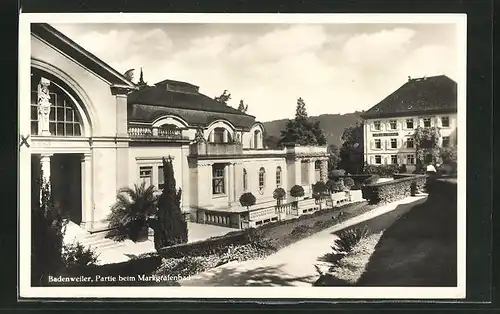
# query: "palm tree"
x,y
130,212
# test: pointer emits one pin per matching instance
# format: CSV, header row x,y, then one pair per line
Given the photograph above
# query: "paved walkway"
x,y
294,265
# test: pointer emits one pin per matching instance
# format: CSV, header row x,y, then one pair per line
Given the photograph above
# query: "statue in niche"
x,y
237,138
43,106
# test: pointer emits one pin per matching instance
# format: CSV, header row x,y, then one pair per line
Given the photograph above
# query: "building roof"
x,y
152,102
425,95
60,41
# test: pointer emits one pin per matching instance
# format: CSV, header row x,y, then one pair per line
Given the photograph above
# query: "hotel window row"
x,y
393,143
409,124
395,159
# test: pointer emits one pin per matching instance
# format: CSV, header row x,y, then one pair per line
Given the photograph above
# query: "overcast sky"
x,y
335,68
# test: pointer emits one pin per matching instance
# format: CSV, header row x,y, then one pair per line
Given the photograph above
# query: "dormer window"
x,y
376,125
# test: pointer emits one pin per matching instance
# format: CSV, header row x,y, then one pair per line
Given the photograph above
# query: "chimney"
x,y
409,78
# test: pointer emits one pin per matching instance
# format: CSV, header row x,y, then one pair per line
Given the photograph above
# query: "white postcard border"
x,y
24,230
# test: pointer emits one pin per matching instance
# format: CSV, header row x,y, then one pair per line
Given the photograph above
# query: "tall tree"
x,y
300,130
333,157
351,152
170,227
224,98
47,232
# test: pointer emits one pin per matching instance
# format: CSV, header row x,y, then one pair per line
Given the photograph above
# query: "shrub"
x,y
247,199
77,257
382,170
319,189
349,182
300,229
403,169
130,211
279,194
347,239
297,191
48,226
170,226
335,174
371,180
335,186
393,190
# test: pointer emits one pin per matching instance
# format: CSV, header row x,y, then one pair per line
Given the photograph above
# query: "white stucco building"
x,y
390,125
93,132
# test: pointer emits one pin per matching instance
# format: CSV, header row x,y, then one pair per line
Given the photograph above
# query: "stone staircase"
x,y
97,241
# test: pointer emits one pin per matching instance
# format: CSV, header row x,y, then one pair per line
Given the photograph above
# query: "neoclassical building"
x,y
93,132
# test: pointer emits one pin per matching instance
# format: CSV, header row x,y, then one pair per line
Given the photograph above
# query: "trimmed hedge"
x,y
394,190
420,180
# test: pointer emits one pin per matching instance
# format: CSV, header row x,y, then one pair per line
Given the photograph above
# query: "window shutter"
x,y
372,160
372,144
438,122
421,122
372,126
385,144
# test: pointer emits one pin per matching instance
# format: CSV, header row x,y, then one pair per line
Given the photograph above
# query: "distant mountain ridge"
x,y
333,125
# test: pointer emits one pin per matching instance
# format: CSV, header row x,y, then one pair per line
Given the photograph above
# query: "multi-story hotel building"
x,y
389,126
94,132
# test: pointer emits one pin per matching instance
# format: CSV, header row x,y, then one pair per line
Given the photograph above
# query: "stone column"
x,y
298,171
87,205
230,183
324,170
45,162
311,171
204,184
186,187
43,107
225,136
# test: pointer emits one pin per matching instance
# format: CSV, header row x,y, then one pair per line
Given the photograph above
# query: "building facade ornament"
x,y
43,107
199,137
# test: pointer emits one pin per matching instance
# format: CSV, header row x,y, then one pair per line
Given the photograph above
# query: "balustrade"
x,y
145,132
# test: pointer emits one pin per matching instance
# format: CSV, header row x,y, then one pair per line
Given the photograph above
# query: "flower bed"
x,y
394,190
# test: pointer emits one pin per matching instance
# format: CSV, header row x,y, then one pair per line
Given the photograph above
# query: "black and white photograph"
x,y
242,155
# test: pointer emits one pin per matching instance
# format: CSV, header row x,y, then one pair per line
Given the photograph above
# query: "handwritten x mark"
x,y
24,141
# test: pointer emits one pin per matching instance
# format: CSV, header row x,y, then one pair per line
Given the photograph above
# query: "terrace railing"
x,y
152,132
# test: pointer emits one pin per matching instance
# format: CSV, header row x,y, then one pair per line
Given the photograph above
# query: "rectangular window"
x,y
394,159
409,123
394,143
445,122
410,159
378,144
376,125
146,175
378,159
161,180
393,124
409,142
218,186
427,122
446,141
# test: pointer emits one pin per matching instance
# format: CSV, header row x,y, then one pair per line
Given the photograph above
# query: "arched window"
x,y
245,180
218,135
262,179
278,177
256,139
64,118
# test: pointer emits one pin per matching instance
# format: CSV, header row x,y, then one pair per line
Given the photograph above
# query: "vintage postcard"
x,y
263,156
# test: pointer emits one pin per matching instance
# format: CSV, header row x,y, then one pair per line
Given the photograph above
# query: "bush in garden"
x,y
348,182
279,194
48,225
77,257
129,214
347,239
385,171
393,190
319,189
297,191
300,229
247,199
335,174
403,169
373,179
335,186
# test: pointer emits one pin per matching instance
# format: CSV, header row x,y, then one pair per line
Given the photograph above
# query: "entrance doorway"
x,y
66,183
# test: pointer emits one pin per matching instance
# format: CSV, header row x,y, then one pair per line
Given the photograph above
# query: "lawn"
x,y
419,249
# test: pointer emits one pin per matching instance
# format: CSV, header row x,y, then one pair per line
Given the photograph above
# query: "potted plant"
x,y
247,199
279,194
296,191
319,191
129,214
